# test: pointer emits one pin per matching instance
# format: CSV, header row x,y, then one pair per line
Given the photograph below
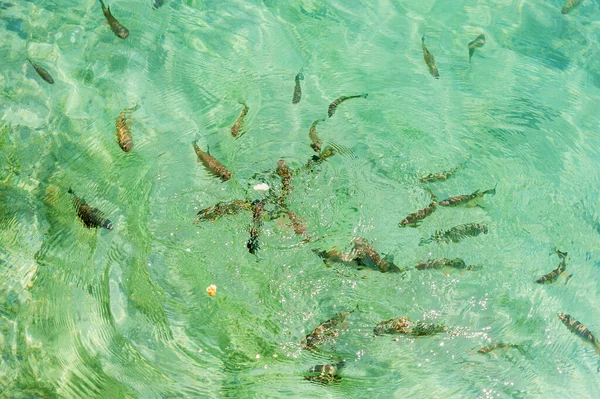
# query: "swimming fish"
x,y
42,72
298,225
415,218
463,199
283,171
435,177
335,103
429,60
297,88
326,373
402,325
123,132
333,256
365,255
457,233
210,163
235,129
116,27
579,329
444,262
478,42
324,332
222,209
569,5
312,134
91,217
499,345
257,209
553,275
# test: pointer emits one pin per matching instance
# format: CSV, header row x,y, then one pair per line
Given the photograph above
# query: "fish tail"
x,y
493,190
423,39
102,3
196,138
70,191
365,95
561,254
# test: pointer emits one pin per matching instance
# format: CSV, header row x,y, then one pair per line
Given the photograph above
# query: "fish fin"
x,y
561,254
423,39
568,277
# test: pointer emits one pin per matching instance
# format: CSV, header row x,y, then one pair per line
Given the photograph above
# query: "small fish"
x,y
326,373
402,325
464,199
579,329
324,332
457,233
283,171
478,42
298,225
158,4
365,255
298,88
235,129
335,103
116,27
435,177
257,209
429,60
91,217
415,218
553,275
312,134
222,209
499,345
569,5
444,262
210,163
42,72
123,130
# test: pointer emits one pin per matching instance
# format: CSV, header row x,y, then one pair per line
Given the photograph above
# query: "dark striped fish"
x,y
297,88
235,129
457,233
223,209
42,72
333,106
435,177
402,325
365,255
464,199
325,373
312,134
123,132
569,5
444,262
499,345
115,26
553,275
324,332
91,217
478,42
210,163
429,60
579,329
415,218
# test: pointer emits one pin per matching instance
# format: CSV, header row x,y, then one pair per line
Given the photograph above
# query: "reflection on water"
x,y
88,312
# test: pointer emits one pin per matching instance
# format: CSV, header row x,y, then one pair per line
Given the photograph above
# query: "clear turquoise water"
x,y
86,313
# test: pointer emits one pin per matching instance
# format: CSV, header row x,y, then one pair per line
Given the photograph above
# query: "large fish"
x,y
235,129
335,103
457,233
402,325
579,329
325,373
222,209
283,171
257,209
324,332
465,199
91,217
312,134
435,177
429,60
415,218
569,6
444,262
553,275
365,255
478,42
297,88
123,132
42,72
210,163
116,27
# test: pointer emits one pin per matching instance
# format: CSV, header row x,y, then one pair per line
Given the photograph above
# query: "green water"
x,y
88,313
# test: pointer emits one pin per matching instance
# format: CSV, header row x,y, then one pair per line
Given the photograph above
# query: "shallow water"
x,y
91,313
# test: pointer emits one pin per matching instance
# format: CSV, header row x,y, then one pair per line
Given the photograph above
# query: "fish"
x,y
402,325
436,177
365,255
123,132
312,134
499,345
457,233
478,42
116,27
333,256
158,4
210,163
297,88
42,72
579,329
464,199
324,332
415,218
335,103
222,209
553,275
235,129
569,5
283,171
317,159
91,217
257,209
444,262
326,373
298,225
429,60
